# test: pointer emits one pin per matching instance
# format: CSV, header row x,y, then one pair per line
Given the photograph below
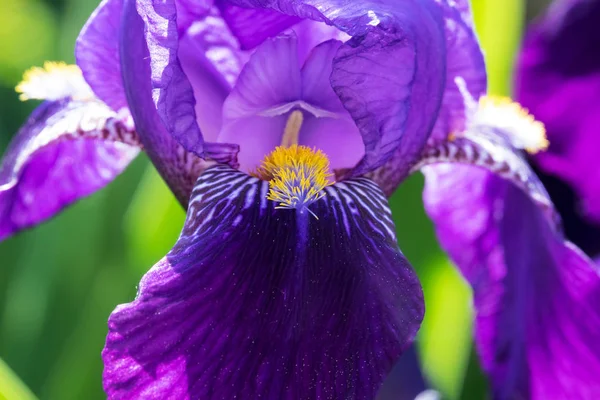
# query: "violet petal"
x,y
256,302
65,151
537,297
463,59
97,54
178,167
399,46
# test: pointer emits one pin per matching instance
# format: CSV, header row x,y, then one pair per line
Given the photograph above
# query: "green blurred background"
x,y
59,282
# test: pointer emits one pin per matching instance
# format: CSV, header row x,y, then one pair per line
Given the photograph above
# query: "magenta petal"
x,y
97,53
537,296
254,302
46,169
558,80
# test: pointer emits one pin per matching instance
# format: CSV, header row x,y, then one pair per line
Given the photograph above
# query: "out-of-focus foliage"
x,y
60,281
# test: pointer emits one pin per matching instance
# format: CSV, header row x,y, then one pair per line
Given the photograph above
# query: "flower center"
x,y
297,174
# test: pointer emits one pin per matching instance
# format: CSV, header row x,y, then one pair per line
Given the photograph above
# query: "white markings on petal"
x,y
281,109
374,19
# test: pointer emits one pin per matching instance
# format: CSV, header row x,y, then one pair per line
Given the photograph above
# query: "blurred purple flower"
x,y
256,302
536,294
558,79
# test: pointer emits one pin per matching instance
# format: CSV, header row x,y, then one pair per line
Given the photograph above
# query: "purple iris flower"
x,y
281,126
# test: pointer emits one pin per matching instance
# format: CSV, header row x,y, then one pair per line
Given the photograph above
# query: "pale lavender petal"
x,y
558,80
537,297
65,151
270,78
464,60
337,137
316,86
265,136
270,86
312,33
209,87
178,167
97,53
244,307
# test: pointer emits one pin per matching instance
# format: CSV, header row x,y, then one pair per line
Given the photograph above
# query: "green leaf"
x,y
11,387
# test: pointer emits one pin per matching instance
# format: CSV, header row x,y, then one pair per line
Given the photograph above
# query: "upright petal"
x,y
558,80
396,46
179,168
464,60
251,26
254,302
65,151
97,54
172,92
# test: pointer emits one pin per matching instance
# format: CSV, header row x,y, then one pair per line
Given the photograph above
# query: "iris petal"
x,y
97,54
464,59
254,302
537,297
251,26
66,150
558,80
397,45
179,168
172,92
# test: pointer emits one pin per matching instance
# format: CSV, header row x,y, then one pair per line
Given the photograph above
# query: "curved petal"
x,y
172,92
464,60
558,80
254,302
537,297
251,26
190,11
398,47
66,151
178,167
97,54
